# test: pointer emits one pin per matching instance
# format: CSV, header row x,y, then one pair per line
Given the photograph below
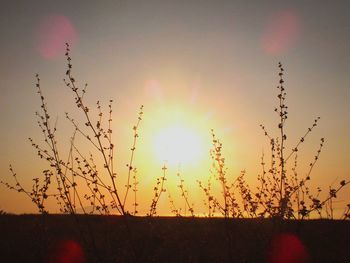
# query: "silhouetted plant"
x,y
158,190
220,171
38,194
208,202
77,170
212,202
101,139
184,194
279,193
131,168
173,209
346,214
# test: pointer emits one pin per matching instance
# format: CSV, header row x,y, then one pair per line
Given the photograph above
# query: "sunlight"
x,y
178,144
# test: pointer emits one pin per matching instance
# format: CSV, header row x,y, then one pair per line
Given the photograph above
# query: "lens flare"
x,y
288,248
66,251
281,33
52,34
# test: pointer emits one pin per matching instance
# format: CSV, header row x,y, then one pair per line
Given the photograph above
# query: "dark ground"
x,y
118,239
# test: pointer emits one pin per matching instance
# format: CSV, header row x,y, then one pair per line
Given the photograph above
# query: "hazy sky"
x,y
214,60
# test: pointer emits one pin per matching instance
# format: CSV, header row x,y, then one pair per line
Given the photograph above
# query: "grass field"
x,y
145,239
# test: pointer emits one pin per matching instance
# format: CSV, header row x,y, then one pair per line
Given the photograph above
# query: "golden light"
x,y
178,145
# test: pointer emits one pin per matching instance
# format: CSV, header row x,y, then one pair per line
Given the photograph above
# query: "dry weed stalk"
x,y
173,209
158,190
184,195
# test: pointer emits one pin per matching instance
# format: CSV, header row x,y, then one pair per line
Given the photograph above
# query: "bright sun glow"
x,y
178,145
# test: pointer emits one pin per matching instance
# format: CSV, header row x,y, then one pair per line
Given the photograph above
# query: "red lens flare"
x,y
68,251
287,248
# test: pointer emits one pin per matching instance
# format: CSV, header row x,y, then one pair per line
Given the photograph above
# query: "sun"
x,y
178,145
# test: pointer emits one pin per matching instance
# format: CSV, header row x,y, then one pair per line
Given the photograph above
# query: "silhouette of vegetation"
x,y
158,189
177,239
280,193
184,195
79,184
77,180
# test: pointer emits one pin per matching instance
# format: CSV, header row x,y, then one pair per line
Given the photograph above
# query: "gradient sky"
x,y
214,60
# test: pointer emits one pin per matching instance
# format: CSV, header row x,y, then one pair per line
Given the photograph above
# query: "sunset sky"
x,y
194,65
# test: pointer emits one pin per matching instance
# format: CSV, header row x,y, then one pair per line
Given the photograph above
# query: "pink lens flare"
x,y
153,89
52,34
287,248
195,90
282,33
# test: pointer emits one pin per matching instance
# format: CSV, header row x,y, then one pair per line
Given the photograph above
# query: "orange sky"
x,y
195,66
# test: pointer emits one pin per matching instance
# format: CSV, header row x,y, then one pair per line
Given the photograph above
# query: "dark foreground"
x,y
58,238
